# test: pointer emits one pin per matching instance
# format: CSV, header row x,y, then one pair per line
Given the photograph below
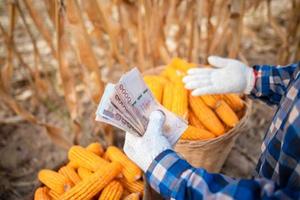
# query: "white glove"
x,y
143,150
228,76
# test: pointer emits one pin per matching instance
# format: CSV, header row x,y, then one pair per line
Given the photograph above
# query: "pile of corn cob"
x,y
92,173
209,116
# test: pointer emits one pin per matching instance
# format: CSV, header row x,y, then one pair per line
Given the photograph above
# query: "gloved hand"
x,y
227,76
143,150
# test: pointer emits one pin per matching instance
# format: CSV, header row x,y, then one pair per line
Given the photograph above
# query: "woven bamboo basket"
x,y
209,154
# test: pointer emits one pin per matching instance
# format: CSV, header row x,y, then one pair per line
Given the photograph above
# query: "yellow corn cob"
x,y
181,64
150,77
162,80
193,133
133,196
54,180
41,194
206,116
54,195
168,96
180,100
69,173
194,121
172,74
93,147
130,170
211,100
83,172
234,101
156,88
96,148
113,191
169,73
105,157
89,187
133,187
72,165
85,158
226,114
125,193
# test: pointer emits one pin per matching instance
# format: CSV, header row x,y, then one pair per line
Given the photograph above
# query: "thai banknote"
x,y
128,104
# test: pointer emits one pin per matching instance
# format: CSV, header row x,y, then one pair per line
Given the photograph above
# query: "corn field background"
x,y
57,55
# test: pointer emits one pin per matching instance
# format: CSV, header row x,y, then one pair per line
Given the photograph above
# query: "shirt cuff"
x,y
262,80
164,172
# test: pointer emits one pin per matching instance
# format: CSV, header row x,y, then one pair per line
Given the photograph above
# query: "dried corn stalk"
x,y
63,56
140,33
20,59
84,50
209,9
237,10
54,133
40,25
40,85
7,70
99,18
50,5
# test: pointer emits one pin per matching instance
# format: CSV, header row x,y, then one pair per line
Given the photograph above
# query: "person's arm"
x,y
268,83
272,81
174,178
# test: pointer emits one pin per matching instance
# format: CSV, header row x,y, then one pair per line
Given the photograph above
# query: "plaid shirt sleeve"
x,y
272,81
174,178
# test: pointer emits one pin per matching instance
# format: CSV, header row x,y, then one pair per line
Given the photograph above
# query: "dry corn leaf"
x,y
66,73
237,10
54,133
6,41
84,50
100,20
40,25
7,70
50,5
41,85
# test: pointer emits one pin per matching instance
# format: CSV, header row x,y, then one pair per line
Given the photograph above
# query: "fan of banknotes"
x,y
128,104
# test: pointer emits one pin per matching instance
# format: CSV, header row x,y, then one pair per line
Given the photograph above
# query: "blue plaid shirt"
x,y
278,169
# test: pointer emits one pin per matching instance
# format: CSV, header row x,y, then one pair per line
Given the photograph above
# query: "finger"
x,y
203,91
129,151
130,140
200,71
219,62
131,137
128,148
156,122
190,78
197,84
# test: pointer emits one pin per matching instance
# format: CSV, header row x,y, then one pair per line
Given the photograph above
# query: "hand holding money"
x,y
128,104
143,150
